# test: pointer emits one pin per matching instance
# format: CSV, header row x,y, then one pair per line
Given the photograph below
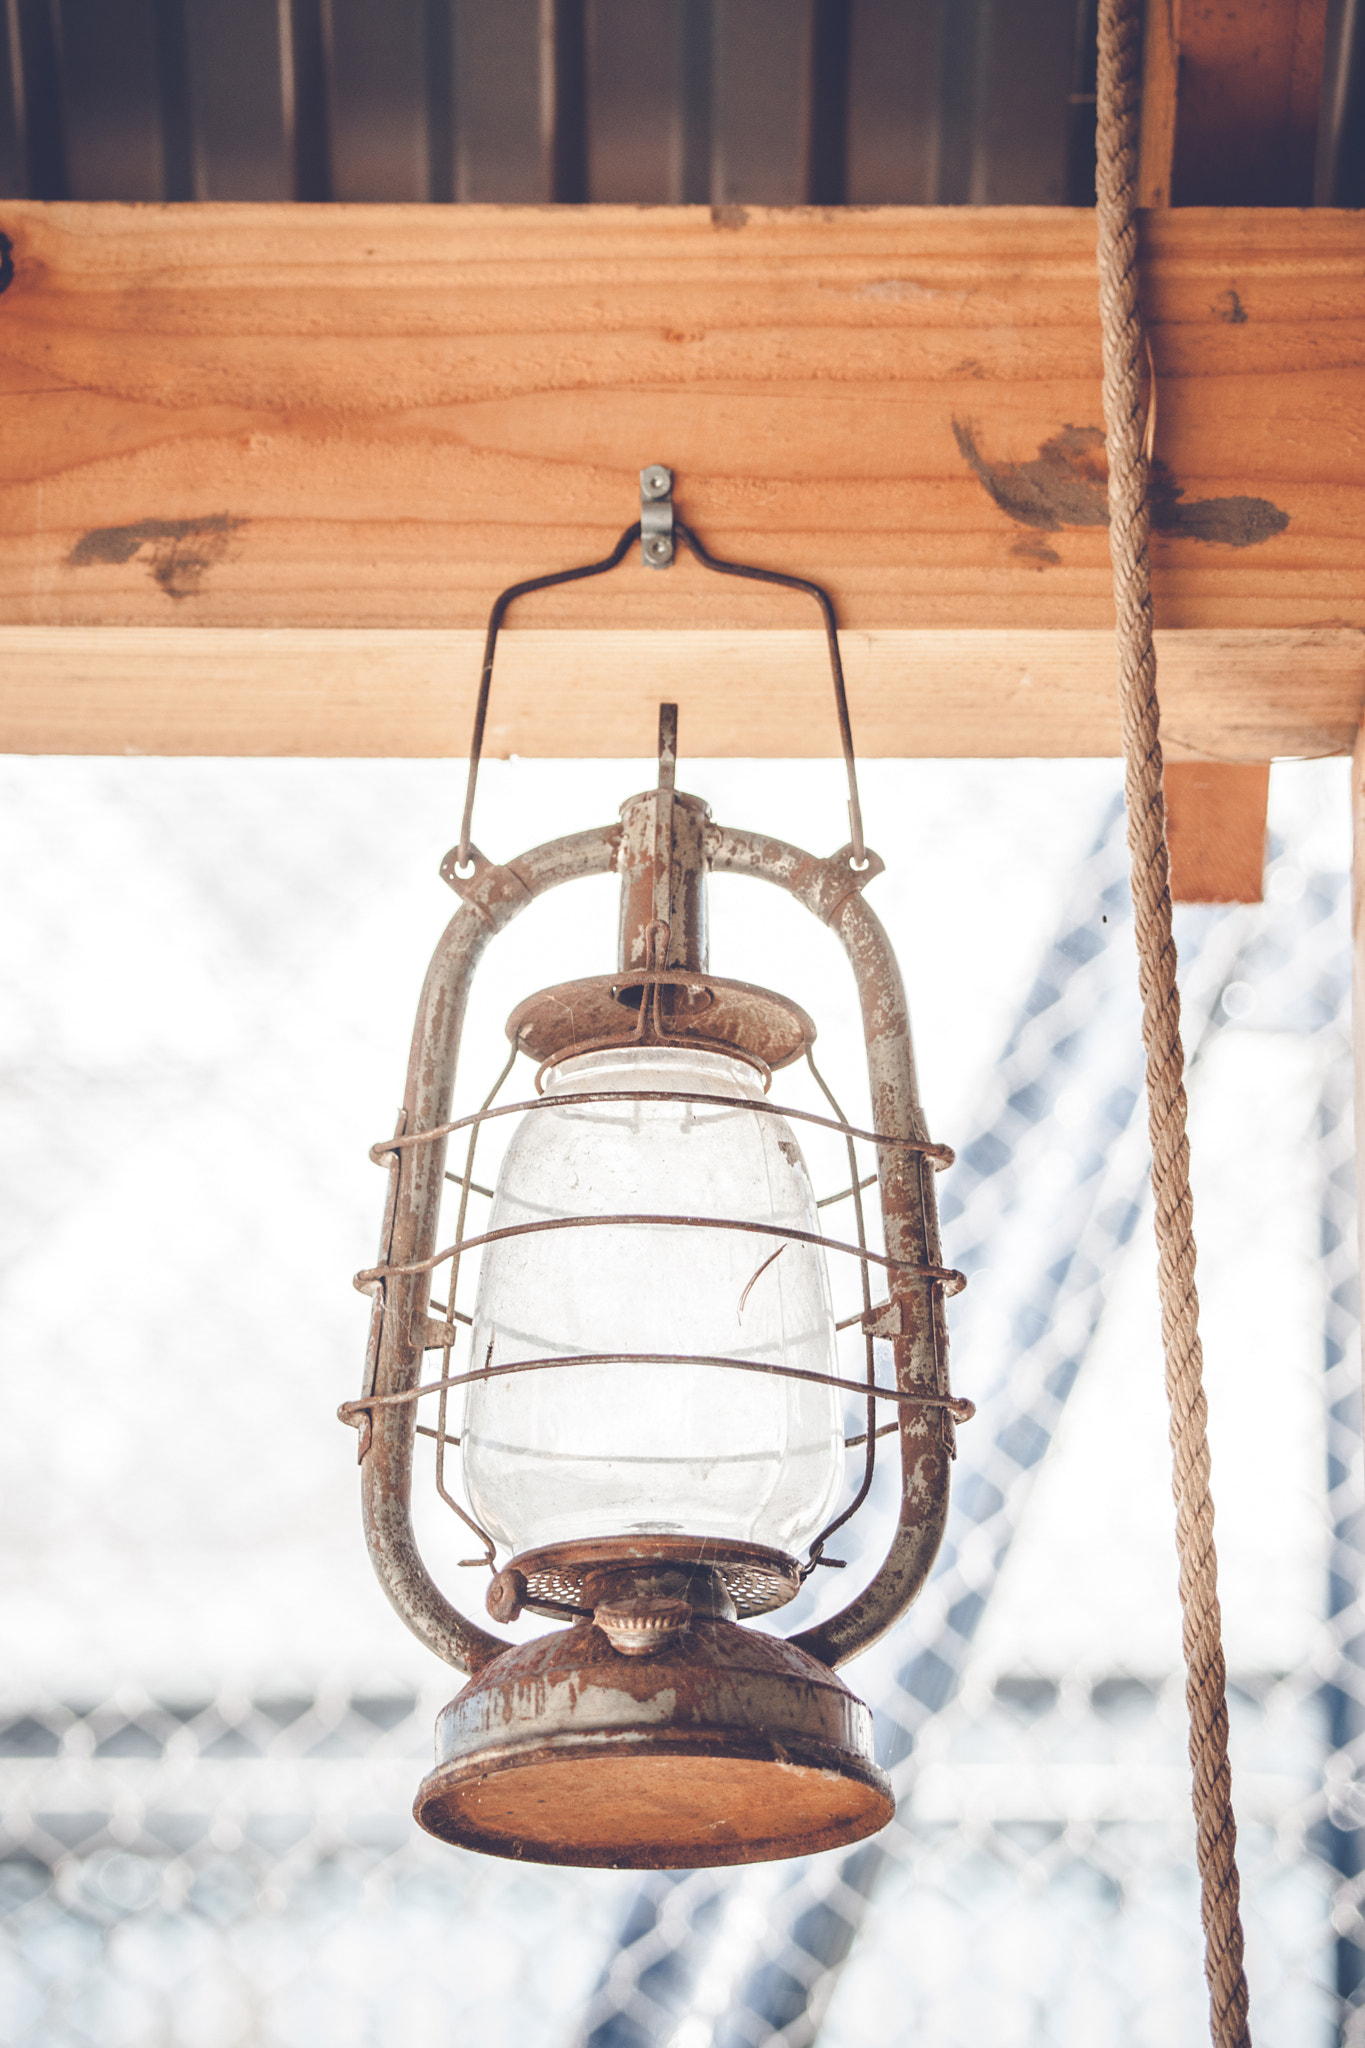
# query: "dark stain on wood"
x,y
6,263
729,216
179,552
1066,484
1231,309
1031,547
1228,522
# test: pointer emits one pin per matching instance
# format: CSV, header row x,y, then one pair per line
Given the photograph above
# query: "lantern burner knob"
x,y
643,1625
506,1595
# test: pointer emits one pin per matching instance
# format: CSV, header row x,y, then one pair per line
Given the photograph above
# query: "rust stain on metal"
x,y
568,1751
661,1006
1066,485
179,552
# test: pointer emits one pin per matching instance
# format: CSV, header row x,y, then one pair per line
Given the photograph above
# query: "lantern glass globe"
x,y
621,1449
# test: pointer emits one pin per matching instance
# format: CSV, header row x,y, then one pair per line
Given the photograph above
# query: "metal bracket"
x,y
464,885
656,516
884,1320
433,1335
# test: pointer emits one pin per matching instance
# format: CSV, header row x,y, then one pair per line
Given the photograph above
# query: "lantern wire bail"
x,y
747,570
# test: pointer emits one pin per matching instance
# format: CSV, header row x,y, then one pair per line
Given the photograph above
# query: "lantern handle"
x,y
720,567
501,604
836,665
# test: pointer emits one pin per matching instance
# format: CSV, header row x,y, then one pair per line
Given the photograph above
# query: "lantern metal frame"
x,y
719,1580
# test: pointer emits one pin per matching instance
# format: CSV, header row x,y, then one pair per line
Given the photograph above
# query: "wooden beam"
x,y
364,416
1239,695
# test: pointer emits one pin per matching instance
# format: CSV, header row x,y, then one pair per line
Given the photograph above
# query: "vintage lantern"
x,y
652,1398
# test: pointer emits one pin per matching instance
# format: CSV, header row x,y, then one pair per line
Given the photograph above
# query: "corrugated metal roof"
x,y
638,101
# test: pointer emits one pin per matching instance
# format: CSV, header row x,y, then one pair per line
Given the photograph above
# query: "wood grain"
x,y
262,416
1239,696
1230,100
1160,102
1215,830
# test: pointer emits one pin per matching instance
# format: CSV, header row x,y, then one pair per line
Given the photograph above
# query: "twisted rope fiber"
x,y
1120,52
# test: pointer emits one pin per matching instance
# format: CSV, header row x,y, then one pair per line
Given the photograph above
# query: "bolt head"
x,y
659,547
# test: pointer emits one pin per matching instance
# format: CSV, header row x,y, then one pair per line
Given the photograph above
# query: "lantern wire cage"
x,y
755,1596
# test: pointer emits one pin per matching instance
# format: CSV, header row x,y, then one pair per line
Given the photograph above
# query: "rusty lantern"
x,y
652,1402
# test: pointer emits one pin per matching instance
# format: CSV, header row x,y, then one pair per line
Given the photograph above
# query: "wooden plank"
x,y
281,416
208,690
1215,829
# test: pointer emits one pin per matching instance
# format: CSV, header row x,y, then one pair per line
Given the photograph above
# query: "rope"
x,y
1120,53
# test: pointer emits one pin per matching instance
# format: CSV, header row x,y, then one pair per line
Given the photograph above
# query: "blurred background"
x,y
212,1726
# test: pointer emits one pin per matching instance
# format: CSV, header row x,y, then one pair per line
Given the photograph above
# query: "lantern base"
x,y
728,1746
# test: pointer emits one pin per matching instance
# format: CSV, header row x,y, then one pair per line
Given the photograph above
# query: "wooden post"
x,y
1229,107
1216,829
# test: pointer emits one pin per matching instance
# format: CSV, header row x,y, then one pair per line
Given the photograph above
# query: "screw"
x,y
659,547
656,482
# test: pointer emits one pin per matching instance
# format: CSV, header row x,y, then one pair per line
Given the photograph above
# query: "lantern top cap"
x,y
661,1006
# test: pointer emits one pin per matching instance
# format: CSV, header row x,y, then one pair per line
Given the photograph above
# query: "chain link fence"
x,y
211,1855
